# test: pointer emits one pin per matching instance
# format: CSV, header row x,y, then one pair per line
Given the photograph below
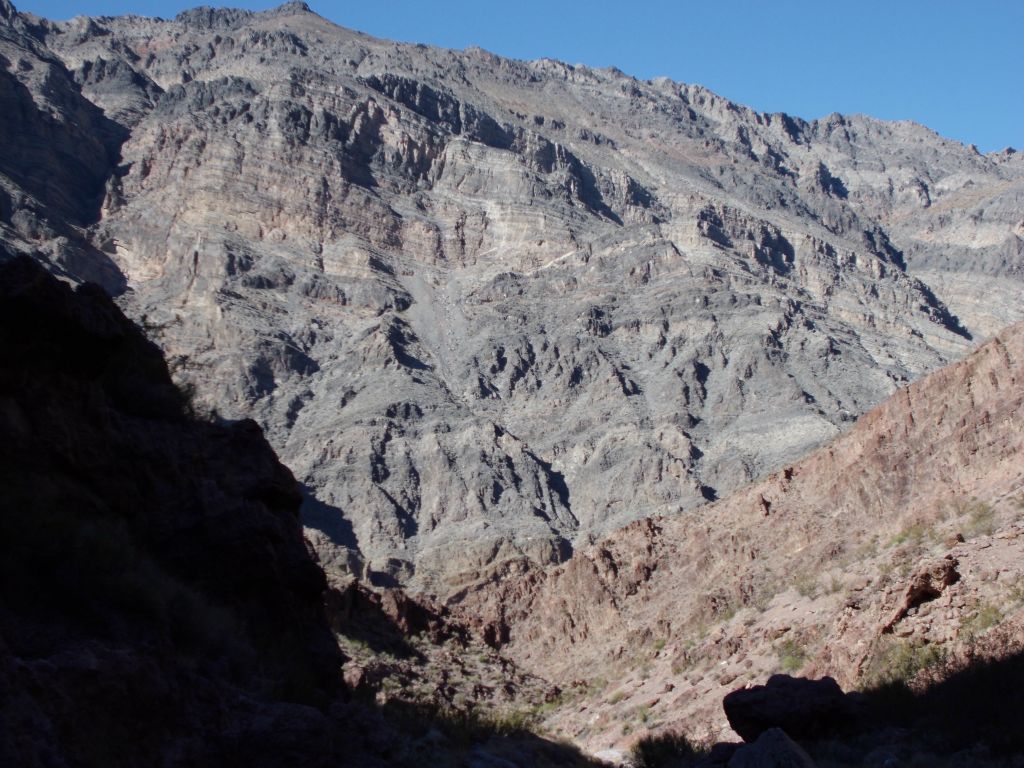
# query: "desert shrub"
x,y
791,656
667,750
808,585
981,520
897,661
984,618
915,533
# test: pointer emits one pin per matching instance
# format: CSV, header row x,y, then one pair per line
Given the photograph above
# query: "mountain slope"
x,y
906,532
488,310
158,603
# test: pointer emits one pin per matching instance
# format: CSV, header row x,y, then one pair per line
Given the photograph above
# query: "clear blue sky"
x,y
954,65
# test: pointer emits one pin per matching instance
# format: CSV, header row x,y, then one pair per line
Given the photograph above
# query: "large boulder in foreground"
x,y
804,709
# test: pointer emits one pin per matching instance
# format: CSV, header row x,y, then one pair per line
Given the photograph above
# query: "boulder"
x,y
803,708
927,583
773,749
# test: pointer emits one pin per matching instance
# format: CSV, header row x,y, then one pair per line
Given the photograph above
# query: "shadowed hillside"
x,y
158,605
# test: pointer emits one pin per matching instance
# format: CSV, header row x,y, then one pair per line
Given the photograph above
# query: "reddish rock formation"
x,y
848,551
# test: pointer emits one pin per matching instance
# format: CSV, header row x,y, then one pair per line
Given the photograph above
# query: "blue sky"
x,y
954,65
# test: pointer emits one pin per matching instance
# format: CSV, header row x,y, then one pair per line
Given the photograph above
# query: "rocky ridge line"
x,y
472,300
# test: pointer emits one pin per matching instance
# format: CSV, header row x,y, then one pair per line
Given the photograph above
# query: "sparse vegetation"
x,y
808,585
792,656
900,661
667,750
983,619
981,520
835,584
915,533
866,550
1016,594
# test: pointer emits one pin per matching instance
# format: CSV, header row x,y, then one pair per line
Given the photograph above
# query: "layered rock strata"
x,y
490,310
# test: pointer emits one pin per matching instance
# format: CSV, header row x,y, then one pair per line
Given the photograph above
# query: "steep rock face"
x,y
953,213
158,603
904,533
60,150
488,310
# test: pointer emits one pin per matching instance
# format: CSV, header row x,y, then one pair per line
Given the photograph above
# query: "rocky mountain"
x,y
157,600
158,604
893,552
487,310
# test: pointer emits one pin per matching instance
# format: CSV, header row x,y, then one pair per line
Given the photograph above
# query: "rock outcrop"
x,y
804,709
873,559
158,601
488,310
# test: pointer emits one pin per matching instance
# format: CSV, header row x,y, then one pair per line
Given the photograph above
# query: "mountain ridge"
x,y
496,247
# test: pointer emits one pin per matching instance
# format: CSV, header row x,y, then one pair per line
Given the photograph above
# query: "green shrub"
x,y
983,619
898,661
808,585
667,750
914,533
792,656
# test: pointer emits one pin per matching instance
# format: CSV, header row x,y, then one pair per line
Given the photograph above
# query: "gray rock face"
x,y
486,309
59,150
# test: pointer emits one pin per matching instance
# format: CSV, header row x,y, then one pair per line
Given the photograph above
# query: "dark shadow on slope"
x,y
382,620
975,712
62,167
590,193
878,241
154,559
327,519
401,337
555,480
981,704
480,737
942,313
